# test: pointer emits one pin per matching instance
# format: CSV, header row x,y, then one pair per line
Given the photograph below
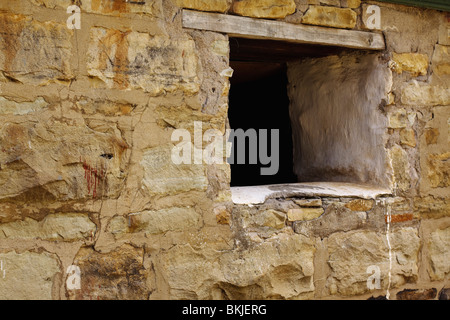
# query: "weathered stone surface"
x,y
415,294
105,7
431,135
351,253
444,294
10,107
360,205
330,17
439,170
281,268
401,167
339,218
415,94
34,52
304,214
117,275
397,119
439,254
54,160
136,60
441,60
28,275
222,214
353,4
432,207
162,176
55,227
414,63
408,137
156,222
271,9
205,5
309,202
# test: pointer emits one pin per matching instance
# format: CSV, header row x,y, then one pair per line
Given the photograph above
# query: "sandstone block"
x,y
415,294
439,170
309,202
351,253
54,227
271,9
353,4
330,17
117,275
397,119
439,254
401,167
55,160
162,176
414,63
34,52
431,135
205,5
28,275
105,7
428,95
156,222
432,207
441,60
360,205
303,214
408,137
136,60
280,268
10,107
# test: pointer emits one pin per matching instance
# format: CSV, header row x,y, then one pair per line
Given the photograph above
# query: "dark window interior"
x,y
258,100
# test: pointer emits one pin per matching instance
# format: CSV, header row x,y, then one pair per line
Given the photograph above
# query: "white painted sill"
x,y
259,194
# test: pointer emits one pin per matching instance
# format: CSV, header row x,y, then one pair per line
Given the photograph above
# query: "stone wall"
x,y
88,191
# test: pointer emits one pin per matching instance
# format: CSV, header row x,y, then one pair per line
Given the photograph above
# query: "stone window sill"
x,y
259,194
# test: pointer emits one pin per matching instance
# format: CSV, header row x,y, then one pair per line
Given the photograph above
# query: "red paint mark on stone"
x,y
92,176
395,218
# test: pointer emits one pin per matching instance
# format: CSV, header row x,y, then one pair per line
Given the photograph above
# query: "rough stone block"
x,y
428,95
415,294
117,275
304,214
353,4
205,5
401,167
280,268
34,52
105,7
51,160
136,60
397,119
10,107
162,176
441,60
54,227
351,253
360,205
439,254
330,17
270,9
156,222
414,63
309,202
408,137
28,275
439,170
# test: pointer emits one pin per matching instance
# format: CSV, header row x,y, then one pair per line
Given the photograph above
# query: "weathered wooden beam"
x,y
276,30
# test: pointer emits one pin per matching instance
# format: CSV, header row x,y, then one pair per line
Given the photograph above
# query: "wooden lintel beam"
x,y
244,27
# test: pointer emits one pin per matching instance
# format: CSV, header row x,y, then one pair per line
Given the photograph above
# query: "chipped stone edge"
x,y
259,194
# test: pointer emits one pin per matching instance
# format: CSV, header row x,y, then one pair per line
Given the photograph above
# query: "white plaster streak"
x,y
388,225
